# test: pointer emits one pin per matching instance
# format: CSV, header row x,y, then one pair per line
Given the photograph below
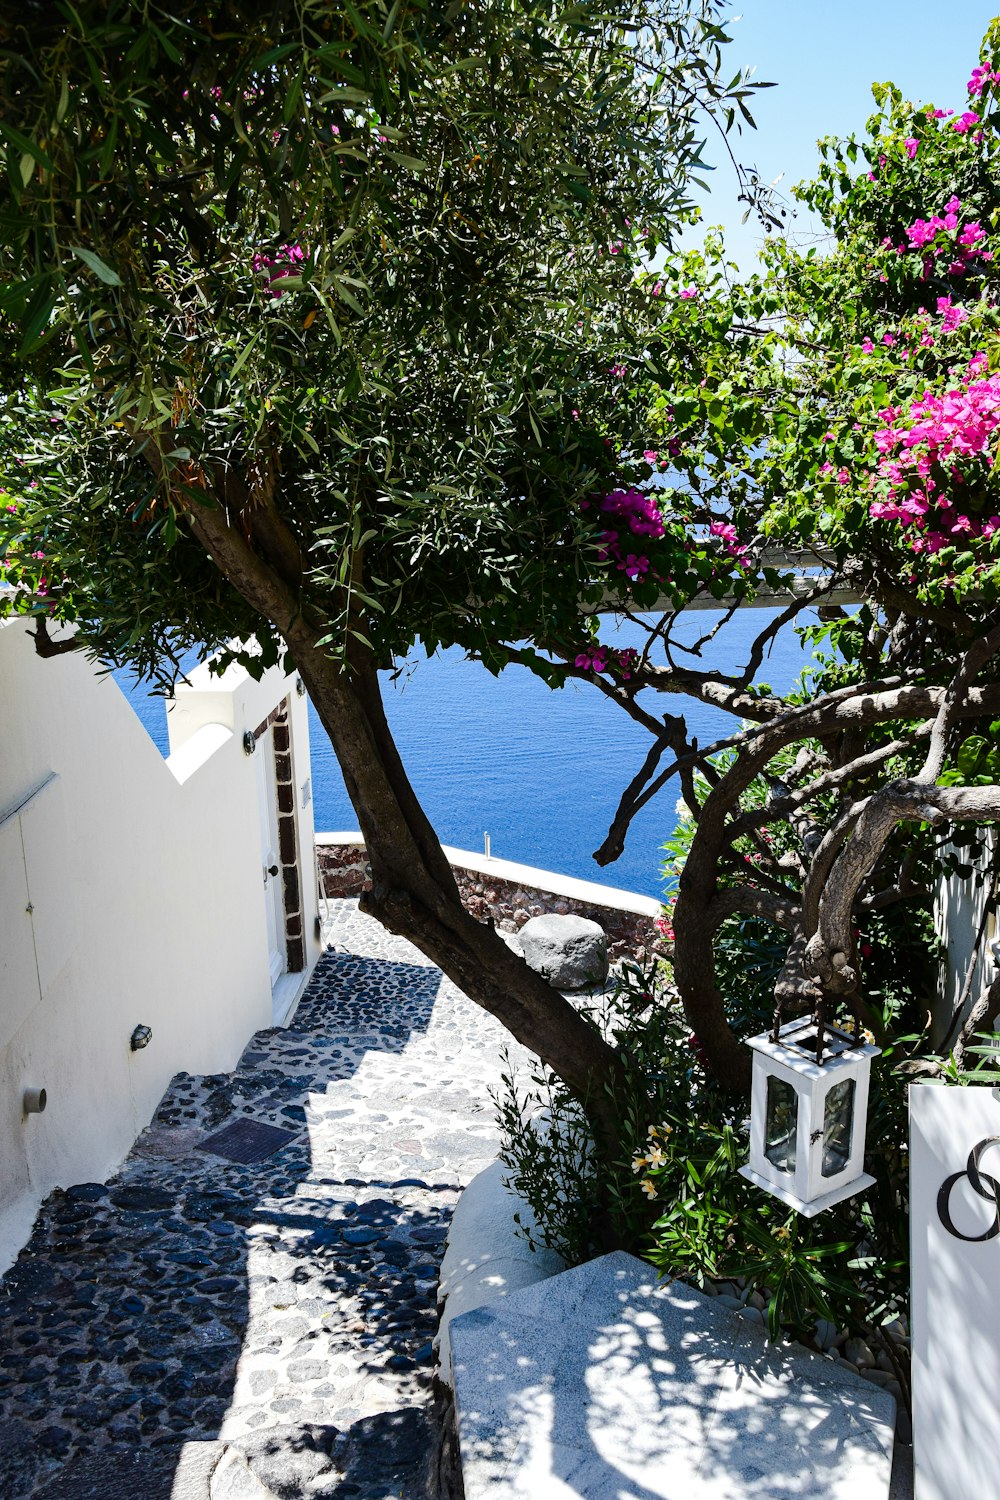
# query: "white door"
x,y
267,807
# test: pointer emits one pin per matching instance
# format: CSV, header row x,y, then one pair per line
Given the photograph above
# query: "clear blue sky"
x,y
824,56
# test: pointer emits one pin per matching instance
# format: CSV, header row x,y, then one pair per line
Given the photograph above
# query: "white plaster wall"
x,y
238,702
144,881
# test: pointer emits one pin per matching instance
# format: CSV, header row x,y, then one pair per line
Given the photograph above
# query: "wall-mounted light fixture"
x,y
300,687
141,1037
34,1101
249,742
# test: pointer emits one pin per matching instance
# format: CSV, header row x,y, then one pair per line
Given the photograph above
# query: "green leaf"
x,y
96,264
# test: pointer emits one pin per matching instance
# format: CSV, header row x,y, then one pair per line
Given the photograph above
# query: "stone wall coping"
x,y
588,891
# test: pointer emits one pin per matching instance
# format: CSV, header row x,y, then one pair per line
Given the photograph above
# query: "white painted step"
x,y
603,1384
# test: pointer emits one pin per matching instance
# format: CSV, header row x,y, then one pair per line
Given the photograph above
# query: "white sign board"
x,y
955,1304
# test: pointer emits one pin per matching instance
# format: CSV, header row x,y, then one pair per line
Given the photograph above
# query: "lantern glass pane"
x,y
780,1122
838,1124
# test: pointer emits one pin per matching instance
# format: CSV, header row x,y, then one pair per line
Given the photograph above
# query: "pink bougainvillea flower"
x,y
981,77
650,455
688,292
725,529
971,235
922,231
275,267
911,146
951,316
867,347
965,121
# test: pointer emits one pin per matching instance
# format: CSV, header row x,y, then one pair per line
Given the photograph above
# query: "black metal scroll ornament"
x,y
982,1183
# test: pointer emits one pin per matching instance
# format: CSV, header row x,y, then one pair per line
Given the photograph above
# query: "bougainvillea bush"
x,y
823,434
836,414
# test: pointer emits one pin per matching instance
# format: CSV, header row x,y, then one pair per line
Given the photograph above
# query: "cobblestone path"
x,y
198,1329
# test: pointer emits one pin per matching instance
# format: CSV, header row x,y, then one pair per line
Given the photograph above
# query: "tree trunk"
x,y
414,892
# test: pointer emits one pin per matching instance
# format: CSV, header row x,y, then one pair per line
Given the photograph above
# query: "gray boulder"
x,y
570,952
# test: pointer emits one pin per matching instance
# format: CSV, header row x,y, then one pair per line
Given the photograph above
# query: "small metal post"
x,y
486,845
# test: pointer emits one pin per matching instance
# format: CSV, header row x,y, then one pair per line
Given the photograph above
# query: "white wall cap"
x,y
486,1257
235,699
568,886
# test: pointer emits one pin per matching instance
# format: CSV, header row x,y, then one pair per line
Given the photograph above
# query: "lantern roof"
x,y
796,1048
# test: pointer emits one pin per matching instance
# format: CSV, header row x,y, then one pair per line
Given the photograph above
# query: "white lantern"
x,y
807,1117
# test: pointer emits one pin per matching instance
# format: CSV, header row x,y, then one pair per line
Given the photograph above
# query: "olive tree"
x,y
313,319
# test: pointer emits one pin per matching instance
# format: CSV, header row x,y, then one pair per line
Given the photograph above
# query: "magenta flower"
x,y
981,77
724,529
284,262
951,316
965,121
650,455
911,145
688,292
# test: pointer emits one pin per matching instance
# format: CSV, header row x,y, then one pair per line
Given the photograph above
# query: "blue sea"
x,y
540,771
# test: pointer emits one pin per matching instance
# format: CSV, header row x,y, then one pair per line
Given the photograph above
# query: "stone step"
x,y
601,1382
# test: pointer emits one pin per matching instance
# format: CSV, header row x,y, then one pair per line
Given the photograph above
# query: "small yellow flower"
x,y
639,1163
652,1131
656,1157
649,1188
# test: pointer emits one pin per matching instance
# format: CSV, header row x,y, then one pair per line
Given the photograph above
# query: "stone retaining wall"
x,y
506,902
